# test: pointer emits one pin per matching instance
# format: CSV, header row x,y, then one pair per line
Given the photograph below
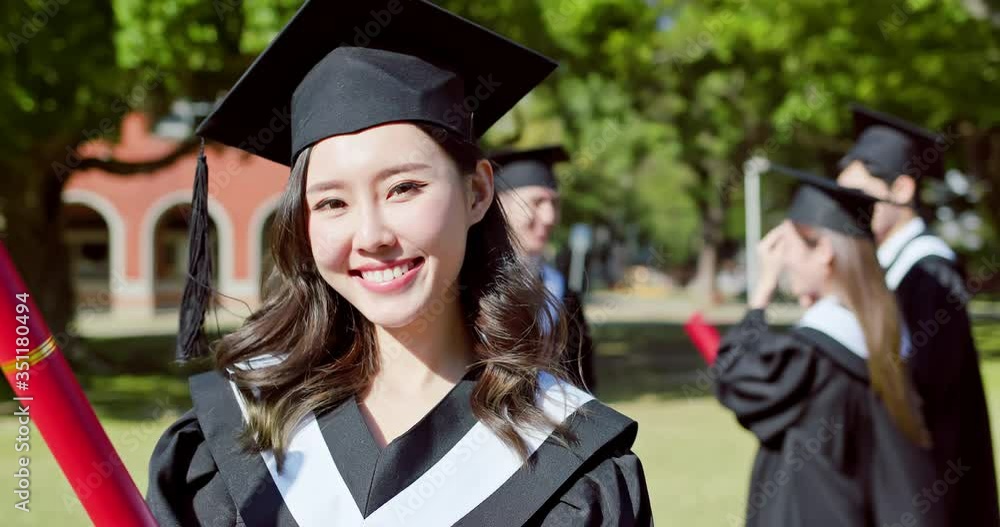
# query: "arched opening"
x,y
88,242
266,258
170,256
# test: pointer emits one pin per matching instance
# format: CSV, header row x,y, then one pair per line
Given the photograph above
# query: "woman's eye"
x,y
404,188
330,204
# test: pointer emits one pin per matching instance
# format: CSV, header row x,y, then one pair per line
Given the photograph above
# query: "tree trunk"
x,y
991,173
32,209
34,239
982,159
702,285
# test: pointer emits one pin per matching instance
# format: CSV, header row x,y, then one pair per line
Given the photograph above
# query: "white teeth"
x,y
386,275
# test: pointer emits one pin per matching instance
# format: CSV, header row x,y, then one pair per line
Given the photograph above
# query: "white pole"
x,y
579,242
577,264
752,170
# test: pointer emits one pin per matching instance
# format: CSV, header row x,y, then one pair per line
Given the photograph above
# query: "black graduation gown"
x,y
829,454
579,344
578,359
445,470
944,362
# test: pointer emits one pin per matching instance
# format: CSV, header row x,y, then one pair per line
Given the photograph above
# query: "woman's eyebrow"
x,y
329,184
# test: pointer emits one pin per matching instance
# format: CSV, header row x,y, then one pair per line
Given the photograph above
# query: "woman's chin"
x,y
806,300
395,320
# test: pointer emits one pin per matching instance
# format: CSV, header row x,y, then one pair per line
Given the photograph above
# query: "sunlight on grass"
x,y
696,457
53,501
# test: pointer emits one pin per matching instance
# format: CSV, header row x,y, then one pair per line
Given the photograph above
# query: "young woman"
x,y
842,441
396,373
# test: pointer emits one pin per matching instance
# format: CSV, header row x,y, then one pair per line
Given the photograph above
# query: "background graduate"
x,y
828,400
529,194
396,373
889,161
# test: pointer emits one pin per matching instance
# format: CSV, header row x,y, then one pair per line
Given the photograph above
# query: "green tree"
x,y
59,82
659,101
776,78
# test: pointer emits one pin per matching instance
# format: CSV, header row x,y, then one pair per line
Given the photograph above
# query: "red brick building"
x,y
128,235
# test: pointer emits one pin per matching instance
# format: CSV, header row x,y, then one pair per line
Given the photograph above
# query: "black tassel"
x,y
198,286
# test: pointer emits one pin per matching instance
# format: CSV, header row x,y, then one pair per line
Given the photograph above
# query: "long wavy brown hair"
x,y
859,276
329,348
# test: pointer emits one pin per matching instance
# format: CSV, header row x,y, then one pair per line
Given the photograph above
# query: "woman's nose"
x,y
373,234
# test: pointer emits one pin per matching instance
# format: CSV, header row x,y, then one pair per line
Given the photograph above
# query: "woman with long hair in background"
x,y
841,438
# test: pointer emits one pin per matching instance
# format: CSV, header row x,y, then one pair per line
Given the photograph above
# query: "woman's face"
x,y
388,215
807,259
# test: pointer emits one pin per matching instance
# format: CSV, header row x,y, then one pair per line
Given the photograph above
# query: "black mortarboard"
x,y
340,67
820,202
890,147
522,168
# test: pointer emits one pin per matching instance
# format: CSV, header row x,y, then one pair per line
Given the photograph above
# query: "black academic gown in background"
x,y
578,361
199,476
829,454
945,366
579,344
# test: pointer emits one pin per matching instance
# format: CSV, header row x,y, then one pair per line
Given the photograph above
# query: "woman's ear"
x,y
903,189
824,250
480,191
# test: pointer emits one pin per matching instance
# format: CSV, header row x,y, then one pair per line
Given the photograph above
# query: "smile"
x,y
389,278
386,275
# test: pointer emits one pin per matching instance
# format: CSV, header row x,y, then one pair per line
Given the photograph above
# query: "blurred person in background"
x,y
889,160
529,194
841,438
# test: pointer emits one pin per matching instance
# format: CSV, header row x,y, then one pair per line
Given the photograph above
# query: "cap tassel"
x,y
198,286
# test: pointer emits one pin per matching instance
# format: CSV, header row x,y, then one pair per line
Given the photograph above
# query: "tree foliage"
x,y
659,101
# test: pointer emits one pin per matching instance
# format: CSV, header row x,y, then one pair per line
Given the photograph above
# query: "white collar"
x,y
316,494
258,362
830,317
890,248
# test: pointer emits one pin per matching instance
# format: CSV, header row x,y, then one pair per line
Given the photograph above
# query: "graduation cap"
x,y
890,147
523,168
343,67
821,202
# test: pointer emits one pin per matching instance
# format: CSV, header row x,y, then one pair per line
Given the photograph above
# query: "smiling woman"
x,y
397,373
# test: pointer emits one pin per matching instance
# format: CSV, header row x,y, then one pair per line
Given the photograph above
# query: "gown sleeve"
x,y
764,377
612,493
185,487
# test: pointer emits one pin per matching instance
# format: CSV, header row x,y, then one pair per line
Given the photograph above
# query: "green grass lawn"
x,y
697,459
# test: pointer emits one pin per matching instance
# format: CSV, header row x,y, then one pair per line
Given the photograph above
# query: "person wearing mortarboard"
x,y
889,160
841,440
529,194
395,373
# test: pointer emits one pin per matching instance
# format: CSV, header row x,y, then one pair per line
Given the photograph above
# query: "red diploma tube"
x,y
50,397
705,337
